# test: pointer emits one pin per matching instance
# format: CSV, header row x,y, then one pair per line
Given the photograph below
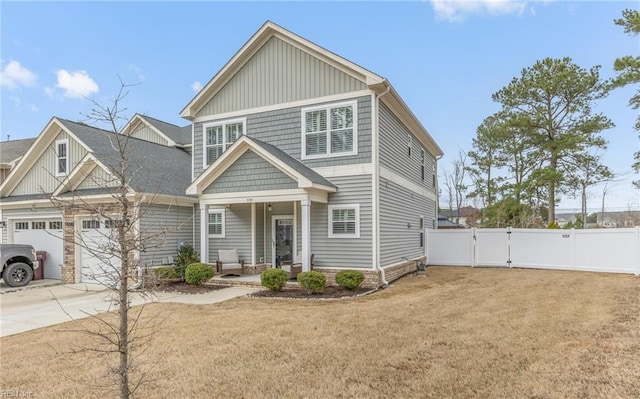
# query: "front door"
x,y
282,239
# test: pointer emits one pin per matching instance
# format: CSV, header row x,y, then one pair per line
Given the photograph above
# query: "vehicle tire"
x,y
17,274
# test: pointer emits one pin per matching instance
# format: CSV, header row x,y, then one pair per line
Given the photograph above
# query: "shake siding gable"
x,y
41,178
251,173
279,73
394,154
400,211
177,221
283,128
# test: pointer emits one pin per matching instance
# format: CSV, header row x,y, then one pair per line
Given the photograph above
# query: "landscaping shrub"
x,y
165,273
274,279
197,273
349,279
314,282
186,256
553,225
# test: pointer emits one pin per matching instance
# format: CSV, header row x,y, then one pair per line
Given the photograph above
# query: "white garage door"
x,y
44,235
98,266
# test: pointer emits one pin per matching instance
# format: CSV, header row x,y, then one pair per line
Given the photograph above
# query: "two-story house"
x,y
297,150
58,197
10,154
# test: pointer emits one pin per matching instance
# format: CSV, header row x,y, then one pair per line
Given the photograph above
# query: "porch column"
x,y
204,236
253,234
306,234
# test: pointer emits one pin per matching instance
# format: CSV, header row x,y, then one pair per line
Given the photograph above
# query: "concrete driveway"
x,y
38,307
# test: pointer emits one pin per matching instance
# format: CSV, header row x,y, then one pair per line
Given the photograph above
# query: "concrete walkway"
x,y
38,307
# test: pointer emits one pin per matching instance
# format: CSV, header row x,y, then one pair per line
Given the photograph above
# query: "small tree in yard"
x,y
121,331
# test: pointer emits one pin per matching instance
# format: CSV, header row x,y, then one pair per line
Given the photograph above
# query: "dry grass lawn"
x,y
458,333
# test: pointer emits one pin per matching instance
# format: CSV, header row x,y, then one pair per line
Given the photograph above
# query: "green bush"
x,y
349,279
314,282
553,225
165,273
186,256
274,279
197,273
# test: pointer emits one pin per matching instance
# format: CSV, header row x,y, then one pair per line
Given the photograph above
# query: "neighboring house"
x,y
298,150
445,223
467,216
619,219
10,154
74,163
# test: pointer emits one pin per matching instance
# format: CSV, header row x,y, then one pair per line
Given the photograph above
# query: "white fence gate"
x,y
598,250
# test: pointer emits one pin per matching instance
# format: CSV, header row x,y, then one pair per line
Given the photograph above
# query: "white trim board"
x,y
404,182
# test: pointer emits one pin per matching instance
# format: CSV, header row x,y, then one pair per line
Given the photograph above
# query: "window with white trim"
x,y
218,137
422,162
90,224
344,221
216,223
55,225
21,225
329,130
38,225
62,157
409,145
421,231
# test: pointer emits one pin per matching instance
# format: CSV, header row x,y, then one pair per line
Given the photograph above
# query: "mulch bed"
x,y
300,293
296,293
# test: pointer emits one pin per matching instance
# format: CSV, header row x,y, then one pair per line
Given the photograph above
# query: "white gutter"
x,y
376,177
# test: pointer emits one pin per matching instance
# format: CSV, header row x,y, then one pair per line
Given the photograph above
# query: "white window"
x,y
344,221
421,231
409,145
90,224
55,225
38,225
329,130
21,225
216,223
220,136
62,157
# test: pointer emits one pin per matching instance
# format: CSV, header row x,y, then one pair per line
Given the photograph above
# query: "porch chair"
x,y
295,267
228,262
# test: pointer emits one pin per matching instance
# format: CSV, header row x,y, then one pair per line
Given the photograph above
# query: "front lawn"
x,y
457,333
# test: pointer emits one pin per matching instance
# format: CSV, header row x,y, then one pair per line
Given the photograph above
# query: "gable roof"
x,y
303,175
173,134
378,84
11,151
159,169
262,36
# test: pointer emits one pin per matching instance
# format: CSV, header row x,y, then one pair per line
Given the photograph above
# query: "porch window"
x,y
62,157
216,223
344,221
219,137
329,131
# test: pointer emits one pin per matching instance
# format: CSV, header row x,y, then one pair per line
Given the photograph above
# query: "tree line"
x,y
544,142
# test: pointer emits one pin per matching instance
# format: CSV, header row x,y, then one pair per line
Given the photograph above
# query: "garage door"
x,y
98,265
44,235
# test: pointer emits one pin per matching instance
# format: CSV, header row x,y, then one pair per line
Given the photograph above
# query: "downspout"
x,y
376,178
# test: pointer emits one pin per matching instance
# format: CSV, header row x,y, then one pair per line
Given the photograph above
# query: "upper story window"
x,y
220,136
329,130
422,161
409,145
62,157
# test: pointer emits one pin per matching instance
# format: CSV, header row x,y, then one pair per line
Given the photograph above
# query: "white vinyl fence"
x,y
597,250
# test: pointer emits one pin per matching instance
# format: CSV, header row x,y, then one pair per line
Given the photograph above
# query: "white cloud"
x,y
458,10
196,86
13,75
76,84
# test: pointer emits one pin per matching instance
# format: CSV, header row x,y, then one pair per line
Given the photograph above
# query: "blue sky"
x,y
444,58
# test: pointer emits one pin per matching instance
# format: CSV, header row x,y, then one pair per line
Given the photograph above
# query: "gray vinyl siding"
x,y
177,221
260,234
98,178
251,173
399,208
196,229
148,134
394,151
279,73
237,233
343,252
41,178
283,128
